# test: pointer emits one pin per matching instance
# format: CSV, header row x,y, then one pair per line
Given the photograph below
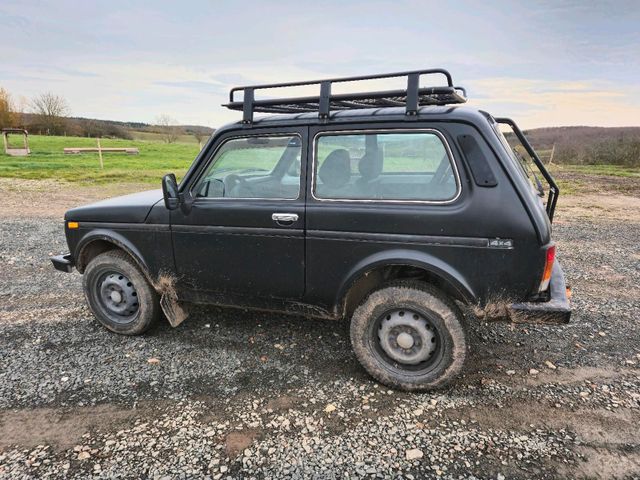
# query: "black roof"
x,y
366,115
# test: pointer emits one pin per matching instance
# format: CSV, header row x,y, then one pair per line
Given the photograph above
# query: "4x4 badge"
x,y
500,243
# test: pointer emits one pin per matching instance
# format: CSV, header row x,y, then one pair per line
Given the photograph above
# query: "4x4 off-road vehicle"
x,y
390,208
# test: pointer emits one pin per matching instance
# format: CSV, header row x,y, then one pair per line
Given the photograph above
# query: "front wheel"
x,y
119,295
409,336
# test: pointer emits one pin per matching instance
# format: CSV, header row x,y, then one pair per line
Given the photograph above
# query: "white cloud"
x,y
539,103
573,63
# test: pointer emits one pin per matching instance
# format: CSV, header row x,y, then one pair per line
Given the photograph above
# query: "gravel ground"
x,y
235,394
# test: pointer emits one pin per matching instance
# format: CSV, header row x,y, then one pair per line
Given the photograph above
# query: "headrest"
x,y
336,169
370,165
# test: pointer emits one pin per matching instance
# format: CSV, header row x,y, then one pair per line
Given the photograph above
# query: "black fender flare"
x,y
406,257
119,241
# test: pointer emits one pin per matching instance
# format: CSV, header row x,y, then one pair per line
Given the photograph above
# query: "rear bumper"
x,y
64,263
556,311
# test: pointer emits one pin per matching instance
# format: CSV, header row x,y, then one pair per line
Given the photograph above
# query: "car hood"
x,y
132,208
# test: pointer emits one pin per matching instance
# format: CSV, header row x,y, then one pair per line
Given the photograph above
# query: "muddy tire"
x,y
409,336
119,294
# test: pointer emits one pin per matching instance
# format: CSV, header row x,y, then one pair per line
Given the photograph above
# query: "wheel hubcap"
x,y
407,337
118,295
405,340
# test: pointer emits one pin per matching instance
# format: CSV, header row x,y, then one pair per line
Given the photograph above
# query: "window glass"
x,y
519,155
254,167
384,166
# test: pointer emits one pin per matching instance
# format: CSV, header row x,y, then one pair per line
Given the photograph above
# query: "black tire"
x,y
139,298
442,319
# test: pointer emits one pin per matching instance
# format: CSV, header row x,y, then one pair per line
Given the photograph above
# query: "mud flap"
x,y
173,310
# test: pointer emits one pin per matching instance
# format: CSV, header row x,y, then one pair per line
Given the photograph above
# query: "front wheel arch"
x,y
98,242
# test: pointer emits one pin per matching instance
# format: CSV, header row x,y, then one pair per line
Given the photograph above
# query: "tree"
x,y
200,137
168,127
7,118
89,128
20,107
51,110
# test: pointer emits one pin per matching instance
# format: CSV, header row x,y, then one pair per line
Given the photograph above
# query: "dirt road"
x,y
243,394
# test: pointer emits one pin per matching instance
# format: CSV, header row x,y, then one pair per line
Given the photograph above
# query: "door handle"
x,y
284,218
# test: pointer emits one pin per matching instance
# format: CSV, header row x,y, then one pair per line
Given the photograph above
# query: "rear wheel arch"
x,y
372,276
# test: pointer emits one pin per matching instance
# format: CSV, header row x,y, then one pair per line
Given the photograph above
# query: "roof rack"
x,y
411,98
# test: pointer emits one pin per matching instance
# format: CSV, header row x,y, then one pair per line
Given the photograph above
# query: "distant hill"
x,y
576,145
587,145
545,138
91,127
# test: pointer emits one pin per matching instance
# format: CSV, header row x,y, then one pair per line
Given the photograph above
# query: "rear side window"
x,y
385,166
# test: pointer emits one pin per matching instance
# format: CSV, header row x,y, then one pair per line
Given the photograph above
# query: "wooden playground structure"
x,y
100,150
13,151
79,150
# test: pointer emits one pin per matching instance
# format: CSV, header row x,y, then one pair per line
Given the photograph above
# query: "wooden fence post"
x,y
100,154
553,149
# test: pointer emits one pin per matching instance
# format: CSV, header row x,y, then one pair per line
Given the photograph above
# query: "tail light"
x,y
548,267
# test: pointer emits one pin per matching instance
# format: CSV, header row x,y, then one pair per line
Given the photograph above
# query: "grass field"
x,y
47,160
607,170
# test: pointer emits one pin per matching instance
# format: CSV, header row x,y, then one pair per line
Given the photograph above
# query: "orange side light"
x,y
73,225
548,268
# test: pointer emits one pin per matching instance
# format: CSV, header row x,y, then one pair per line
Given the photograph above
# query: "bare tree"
x,y
6,109
168,127
19,111
89,128
200,137
51,110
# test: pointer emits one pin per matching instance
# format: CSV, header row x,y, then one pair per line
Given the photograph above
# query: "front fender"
x,y
412,258
117,239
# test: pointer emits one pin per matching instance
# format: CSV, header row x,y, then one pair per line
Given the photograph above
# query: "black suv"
x,y
391,208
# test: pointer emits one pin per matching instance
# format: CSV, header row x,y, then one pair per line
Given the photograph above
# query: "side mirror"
x,y
170,191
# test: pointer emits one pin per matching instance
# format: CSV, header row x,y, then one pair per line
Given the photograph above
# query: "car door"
x,y
245,231
375,190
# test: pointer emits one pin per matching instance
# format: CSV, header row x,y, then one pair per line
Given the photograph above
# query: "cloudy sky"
x,y
543,63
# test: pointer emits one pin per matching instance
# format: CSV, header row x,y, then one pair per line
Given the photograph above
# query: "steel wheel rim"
x,y
118,296
407,340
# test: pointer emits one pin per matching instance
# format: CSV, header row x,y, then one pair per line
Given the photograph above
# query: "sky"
x,y
541,63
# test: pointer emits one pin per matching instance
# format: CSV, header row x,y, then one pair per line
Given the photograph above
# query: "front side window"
x,y
254,167
411,166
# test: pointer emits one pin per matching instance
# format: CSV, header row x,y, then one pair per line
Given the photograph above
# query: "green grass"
x,y
570,180
47,161
606,170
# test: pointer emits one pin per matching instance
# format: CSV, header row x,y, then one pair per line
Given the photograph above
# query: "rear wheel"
x,y
409,335
119,295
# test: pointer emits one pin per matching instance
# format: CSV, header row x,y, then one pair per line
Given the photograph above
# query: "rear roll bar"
x,y
554,190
